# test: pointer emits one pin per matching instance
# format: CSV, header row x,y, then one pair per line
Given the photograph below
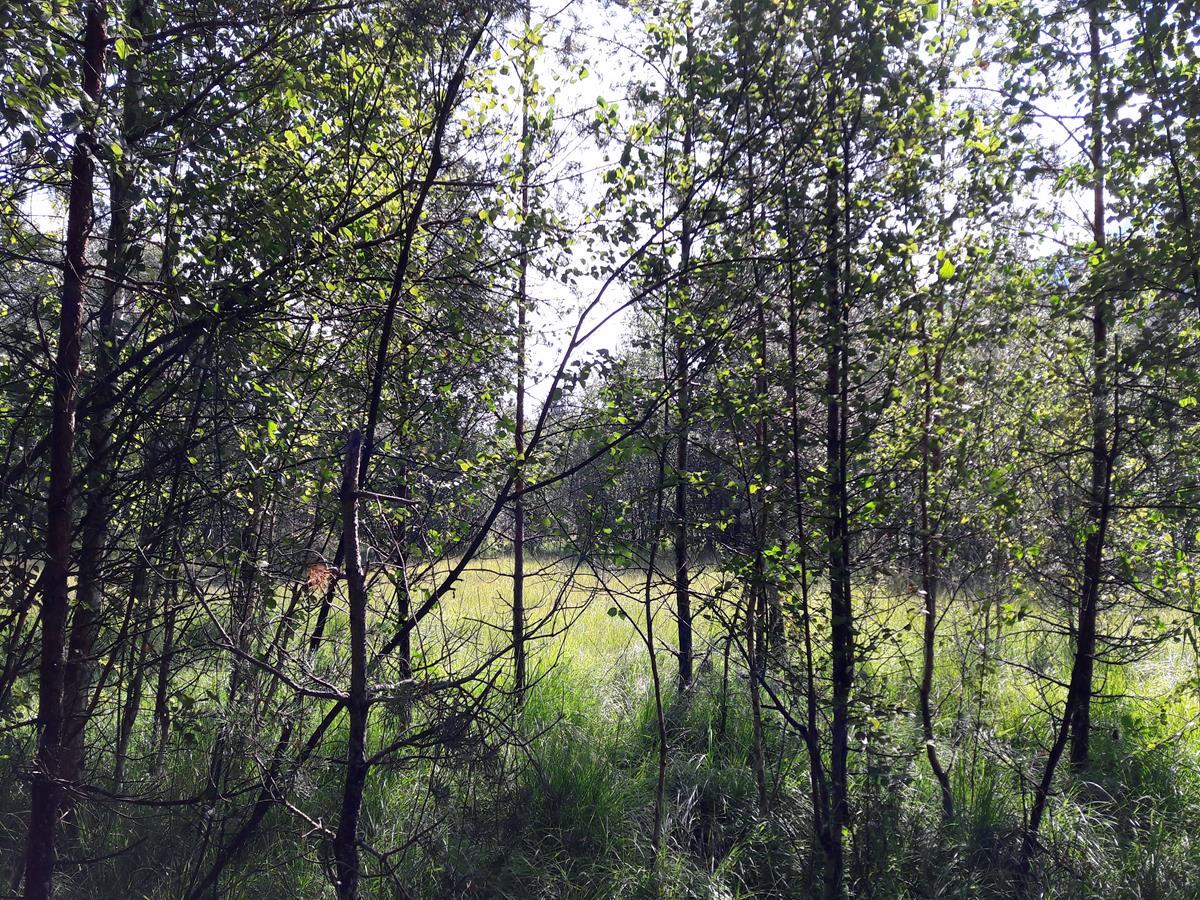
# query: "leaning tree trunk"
x,y
400,275
46,792
141,608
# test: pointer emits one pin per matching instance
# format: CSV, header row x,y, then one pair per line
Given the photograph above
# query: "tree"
x,y
47,790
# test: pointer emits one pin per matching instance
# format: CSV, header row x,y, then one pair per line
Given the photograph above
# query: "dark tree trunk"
x,y
840,611
1076,722
133,701
162,687
756,593
412,224
141,604
819,787
46,792
18,643
518,599
1099,506
79,675
683,593
655,680
345,841
768,620
931,467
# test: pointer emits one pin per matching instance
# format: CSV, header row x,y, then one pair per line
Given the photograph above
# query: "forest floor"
x,y
557,799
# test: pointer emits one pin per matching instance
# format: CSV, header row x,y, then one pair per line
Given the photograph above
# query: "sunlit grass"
x,y
555,797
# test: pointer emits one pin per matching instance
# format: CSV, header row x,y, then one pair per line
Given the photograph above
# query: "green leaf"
x,y
946,270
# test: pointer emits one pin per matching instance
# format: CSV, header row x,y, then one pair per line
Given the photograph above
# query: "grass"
x,y
556,799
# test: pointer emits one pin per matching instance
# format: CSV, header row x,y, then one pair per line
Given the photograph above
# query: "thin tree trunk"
x,y
345,841
518,600
683,596
841,614
162,687
1076,721
754,674
133,702
140,598
1098,499
817,776
85,625
162,709
758,631
243,613
46,793
656,681
15,647
931,466
403,598
399,280
756,593
267,795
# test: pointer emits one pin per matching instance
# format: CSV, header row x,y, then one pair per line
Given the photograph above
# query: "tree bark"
x,y
46,793
141,604
345,841
931,467
133,701
518,600
412,224
162,687
840,610
683,594
1099,506
85,626
655,680
1076,722
819,786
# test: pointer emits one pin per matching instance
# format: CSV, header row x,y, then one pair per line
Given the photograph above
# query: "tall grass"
x,y
557,798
